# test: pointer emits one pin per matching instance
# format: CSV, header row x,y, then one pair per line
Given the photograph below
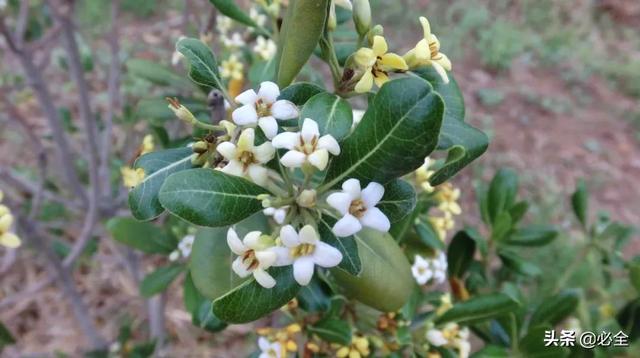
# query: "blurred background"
x,y
554,83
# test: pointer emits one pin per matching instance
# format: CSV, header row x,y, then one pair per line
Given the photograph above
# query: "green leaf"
x,y
460,253
398,201
159,280
142,236
428,236
463,142
232,10
629,319
479,308
398,131
6,338
209,197
532,345
299,93
502,226
204,66
532,236
555,308
634,272
250,301
206,319
491,351
156,73
191,296
314,297
346,245
332,113
301,29
261,71
580,202
332,330
518,210
502,193
385,282
143,199
518,264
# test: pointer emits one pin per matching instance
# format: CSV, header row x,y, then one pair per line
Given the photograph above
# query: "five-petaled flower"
x,y
265,48
376,62
430,269
358,208
427,53
306,146
132,177
255,256
263,108
304,250
246,159
232,68
269,349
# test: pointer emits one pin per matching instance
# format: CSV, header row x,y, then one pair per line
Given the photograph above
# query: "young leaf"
x,y
502,226
157,166
460,253
555,308
159,280
502,193
532,236
580,202
479,308
250,301
231,9
209,197
299,93
204,66
346,245
332,113
142,236
398,201
332,330
397,132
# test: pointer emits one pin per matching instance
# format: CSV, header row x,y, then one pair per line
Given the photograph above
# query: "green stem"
x,y
514,333
330,57
207,126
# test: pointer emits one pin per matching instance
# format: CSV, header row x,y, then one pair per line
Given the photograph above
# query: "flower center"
x,y
376,69
435,53
357,208
246,158
263,109
308,147
303,250
249,260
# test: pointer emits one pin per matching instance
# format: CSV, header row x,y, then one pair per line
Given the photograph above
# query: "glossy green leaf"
x,y
203,64
398,131
517,264
301,29
209,197
532,236
555,308
580,202
159,280
332,113
385,282
143,199
231,9
250,301
460,253
156,73
332,330
142,236
314,297
346,245
190,294
299,93
398,201
479,308
502,193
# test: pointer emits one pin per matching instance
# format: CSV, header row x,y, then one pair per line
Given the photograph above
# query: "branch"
x,y
23,20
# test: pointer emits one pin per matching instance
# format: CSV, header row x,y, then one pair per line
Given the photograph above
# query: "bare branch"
x,y
23,20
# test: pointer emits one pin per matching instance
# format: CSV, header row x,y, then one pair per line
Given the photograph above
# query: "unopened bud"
x,y
181,111
377,30
198,159
307,199
332,22
200,147
362,16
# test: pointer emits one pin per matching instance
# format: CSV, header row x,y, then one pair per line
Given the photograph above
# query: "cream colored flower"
x,y
306,146
447,197
246,159
132,177
265,48
358,348
147,145
423,174
358,208
376,62
451,336
7,239
233,42
232,68
430,269
427,53
254,256
442,224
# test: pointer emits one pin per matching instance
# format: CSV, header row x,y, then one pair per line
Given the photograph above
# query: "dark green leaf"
x,y
428,236
142,236
204,66
555,308
502,193
518,264
634,272
460,253
231,9
629,319
191,296
159,280
398,201
479,308
397,132
502,226
491,351
532,345
299,93
580,202
518,210
5,337
333,330
532,236
332,113
206,319
209,197
346,245
315,297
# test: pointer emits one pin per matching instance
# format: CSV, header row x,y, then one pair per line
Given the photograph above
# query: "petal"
x,y
234,242
263,343
352,187
287,140
436,338
329,143
10,240
268,92
394,61
269,211
293,159
264,279
444,61
372,194
247,97
227,149
365,57
258,174
340,202
246,140
283,256
234,167
319,158
264,152
269,126
239,268
280,215
303,270
309,130
251,239
326,255
426,27
347,226
266,258
245,115
289,236
365,83
284,109
379,45
381,79
375,219
308,235
441,71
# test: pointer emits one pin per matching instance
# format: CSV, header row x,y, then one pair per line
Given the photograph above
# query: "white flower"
x,y
223,24
257,17
269,349
426,269
278,214
452,336
263,108
185,245
254,257
357,117
306,146
305,250
358,208
421,270
265,48
233,42
245,159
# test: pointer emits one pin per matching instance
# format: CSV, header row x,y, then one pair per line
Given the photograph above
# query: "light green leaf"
x,y
346,245
332,330
206,319
204,66
460,253
332,113
398,201
156,73
479,308
142,236
580,202
532,236
555,308
143,199
299,93
261,71
398,131
491,351
159,280
209,197
502,226
232,10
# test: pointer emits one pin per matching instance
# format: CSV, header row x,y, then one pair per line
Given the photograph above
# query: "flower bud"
x,y
362,16
307,199
181,111
332,22
200,147
377,30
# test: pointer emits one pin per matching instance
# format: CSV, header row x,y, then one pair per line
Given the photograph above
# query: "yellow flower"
x,y
132,177
232,68
285,337
358,348
147,145
447,197
442,224
427,53
7,239
423,174
376,62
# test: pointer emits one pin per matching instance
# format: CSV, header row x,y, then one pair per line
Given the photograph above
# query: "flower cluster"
x,y
359,347
430,269
451,336
184,248
7,238
278,342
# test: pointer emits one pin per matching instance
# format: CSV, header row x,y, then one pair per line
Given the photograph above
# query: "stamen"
x,y
357,208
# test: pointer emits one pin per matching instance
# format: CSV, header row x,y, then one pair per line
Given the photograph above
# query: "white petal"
x,y
264,152
227,149
347,226
308,235
436,338
264,279
234,242
372,194
309,130
326,255
247,97
287,140
340,202
375,219
441,71
245,115
293,159
263,343
280,215
239,268
269,126
284,109
266,258
289,236
329,143
283,256
268,92
303,270
319,159
234,167
352,187
258,174
269,211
